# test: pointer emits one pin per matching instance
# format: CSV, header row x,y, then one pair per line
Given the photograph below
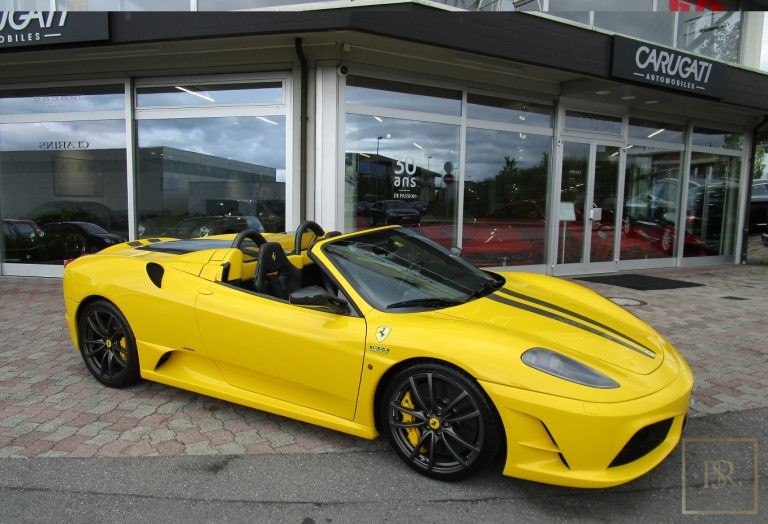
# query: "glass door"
x,y
587,217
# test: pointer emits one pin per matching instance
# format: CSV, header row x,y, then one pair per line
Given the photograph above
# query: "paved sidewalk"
x,y
51,407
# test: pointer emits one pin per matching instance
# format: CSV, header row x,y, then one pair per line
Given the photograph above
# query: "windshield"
x,y
396,270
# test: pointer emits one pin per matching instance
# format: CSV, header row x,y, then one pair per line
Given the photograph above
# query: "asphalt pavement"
x,y
73,449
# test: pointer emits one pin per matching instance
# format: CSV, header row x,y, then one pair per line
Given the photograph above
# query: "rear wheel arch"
x,y
87,301
106,342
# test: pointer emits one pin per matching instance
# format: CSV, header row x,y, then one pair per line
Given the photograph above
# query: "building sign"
x,y
669,68
63,144
405,181
30,28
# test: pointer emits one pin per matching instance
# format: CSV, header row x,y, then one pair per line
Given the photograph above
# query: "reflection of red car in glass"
x,y
512,234
483,245
500,245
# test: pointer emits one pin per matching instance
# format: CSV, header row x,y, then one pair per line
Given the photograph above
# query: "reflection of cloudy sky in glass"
x,y
186,95
408,101
255,140
61,103
764,46
423,143
487,149
99,134
140,5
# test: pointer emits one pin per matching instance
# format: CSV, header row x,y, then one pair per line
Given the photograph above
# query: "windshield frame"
x,y
396,270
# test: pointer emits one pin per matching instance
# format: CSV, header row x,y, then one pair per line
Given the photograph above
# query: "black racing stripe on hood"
x,y
532,309
575,315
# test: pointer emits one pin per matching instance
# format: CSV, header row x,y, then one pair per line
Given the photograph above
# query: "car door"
x,y
268,346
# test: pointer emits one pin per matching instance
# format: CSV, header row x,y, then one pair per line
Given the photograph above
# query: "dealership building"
x,y
529,137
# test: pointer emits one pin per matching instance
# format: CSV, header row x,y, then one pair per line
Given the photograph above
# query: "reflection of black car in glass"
x,y
658,203
758,205
267,211
386,212
707,214
23,240
363,208
653,216
67,240
206,225
82,211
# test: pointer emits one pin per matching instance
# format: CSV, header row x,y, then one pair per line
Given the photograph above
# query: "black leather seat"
x,y
275,275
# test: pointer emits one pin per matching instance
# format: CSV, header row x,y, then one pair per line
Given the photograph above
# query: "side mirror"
x,y
315,297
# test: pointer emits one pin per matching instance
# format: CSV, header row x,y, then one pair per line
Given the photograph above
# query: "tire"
x,y
439,421
107,345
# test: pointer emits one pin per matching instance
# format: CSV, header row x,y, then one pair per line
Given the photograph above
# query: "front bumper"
x,y
568,442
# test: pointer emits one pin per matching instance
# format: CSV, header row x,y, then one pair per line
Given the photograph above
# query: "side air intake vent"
x,y
155,273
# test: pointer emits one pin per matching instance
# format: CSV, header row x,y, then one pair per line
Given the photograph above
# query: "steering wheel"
x,y
251,234
308,225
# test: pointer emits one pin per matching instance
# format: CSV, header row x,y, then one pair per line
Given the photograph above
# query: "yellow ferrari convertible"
x,y
385,332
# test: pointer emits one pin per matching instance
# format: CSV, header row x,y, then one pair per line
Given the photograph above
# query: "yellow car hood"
x,y
559,315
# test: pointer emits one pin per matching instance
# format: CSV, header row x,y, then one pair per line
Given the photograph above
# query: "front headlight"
x,y
566,368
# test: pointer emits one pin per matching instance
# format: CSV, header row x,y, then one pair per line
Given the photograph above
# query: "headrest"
x,y
272,256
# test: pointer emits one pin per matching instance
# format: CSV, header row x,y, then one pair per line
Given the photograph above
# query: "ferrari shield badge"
x,y
382,332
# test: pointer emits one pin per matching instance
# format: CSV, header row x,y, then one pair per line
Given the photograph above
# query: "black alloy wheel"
x,y
439,421
107,345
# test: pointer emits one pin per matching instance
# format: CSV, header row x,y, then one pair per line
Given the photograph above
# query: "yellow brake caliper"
x,y
123,346
414,434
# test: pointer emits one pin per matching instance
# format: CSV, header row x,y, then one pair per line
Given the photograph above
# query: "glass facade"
x,y
409,170
573,185
652,180
717,35
689,27
481,182
64,189
653,27
579,121
510,179
651,204
65,157
712,203
202,174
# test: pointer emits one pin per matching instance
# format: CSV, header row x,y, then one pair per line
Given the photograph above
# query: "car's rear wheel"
x,y
107,345
439,421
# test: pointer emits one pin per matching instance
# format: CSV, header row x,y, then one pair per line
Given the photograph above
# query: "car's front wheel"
x,y
107,345
439,421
